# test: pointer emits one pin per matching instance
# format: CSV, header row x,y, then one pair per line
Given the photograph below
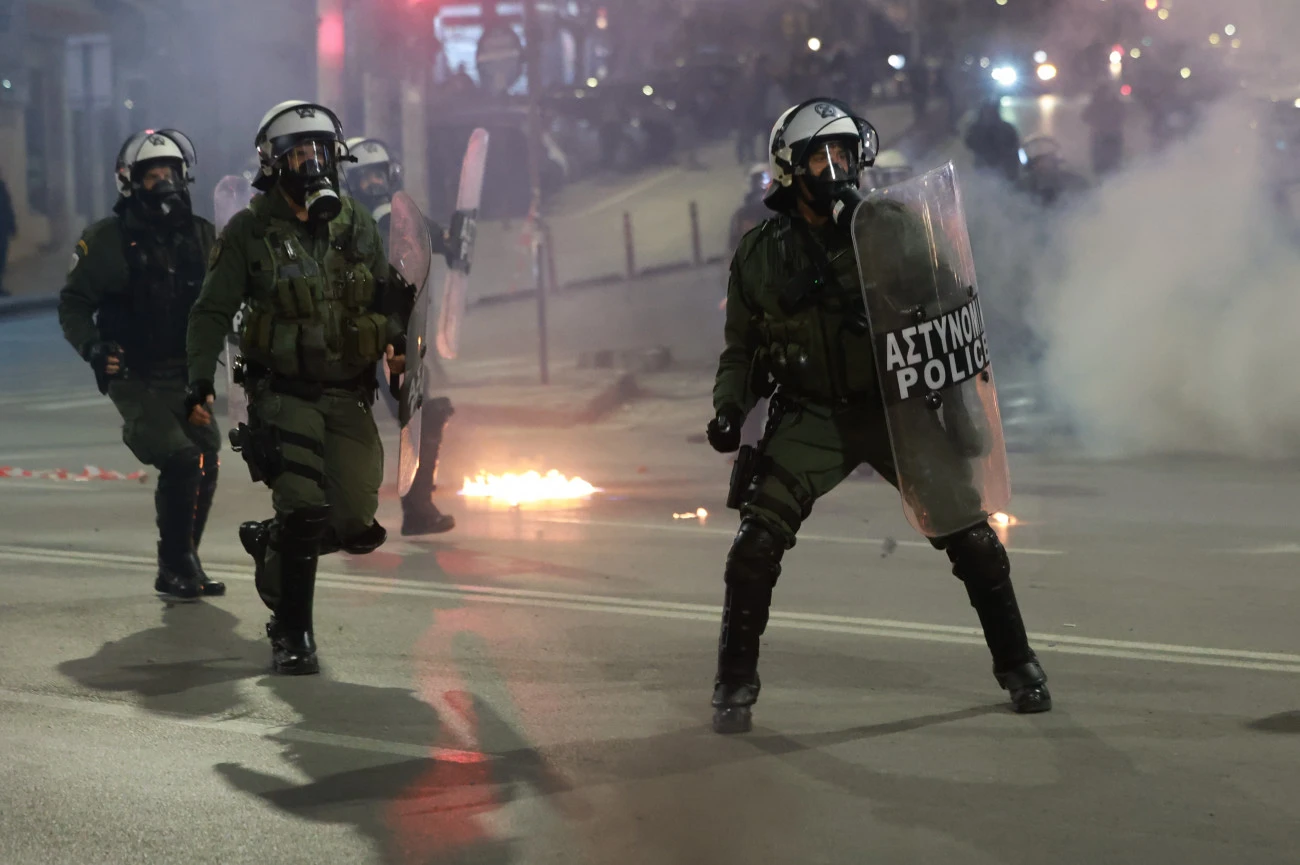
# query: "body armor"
x,y
312,303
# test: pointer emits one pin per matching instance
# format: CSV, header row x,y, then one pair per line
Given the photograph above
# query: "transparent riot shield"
x,y
455,290
411,253
232,194
922,300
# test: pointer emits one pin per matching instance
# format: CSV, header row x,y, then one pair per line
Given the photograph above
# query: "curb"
x,y
14,306
623,389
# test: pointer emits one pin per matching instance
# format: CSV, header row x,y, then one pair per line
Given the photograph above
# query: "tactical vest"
x,y
149,315
311,306
814,337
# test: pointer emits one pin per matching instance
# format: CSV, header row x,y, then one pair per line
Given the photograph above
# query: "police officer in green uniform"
x,y
321,307
796,317
124,308
372,181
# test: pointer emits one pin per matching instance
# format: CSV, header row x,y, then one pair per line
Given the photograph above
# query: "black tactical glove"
x,y
197,394
724,430
100,355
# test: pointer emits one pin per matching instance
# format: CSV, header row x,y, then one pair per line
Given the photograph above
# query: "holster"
x,y
746,471
742,475
259,445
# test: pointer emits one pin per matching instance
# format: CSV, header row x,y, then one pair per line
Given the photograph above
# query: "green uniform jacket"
x,y
245,267
99,266
818,346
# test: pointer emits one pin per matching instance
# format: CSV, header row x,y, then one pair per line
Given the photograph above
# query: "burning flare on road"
x,y
514,489
1002,520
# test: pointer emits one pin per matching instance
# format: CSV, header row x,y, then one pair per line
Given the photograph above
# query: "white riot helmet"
x,y
154,169
375,173
300,145
891,167
1039,147
825,132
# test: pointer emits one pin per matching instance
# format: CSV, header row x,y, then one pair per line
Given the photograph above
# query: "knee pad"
x,y
755,557
978,557
301,530
367,541
186,461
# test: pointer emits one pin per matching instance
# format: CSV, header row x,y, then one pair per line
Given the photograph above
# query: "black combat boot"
x,y
753,566
981,563
293,645
255,536
202,506
174,500
419,515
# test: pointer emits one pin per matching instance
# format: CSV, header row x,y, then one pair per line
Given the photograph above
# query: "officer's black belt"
x,y
302,441
305,471
314,390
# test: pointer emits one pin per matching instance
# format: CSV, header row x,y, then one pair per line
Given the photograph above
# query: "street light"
x,y
1005,75
814,44
897,61
1046,72
1230,30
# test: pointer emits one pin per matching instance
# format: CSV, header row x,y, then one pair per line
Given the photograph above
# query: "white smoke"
x,y
1169,305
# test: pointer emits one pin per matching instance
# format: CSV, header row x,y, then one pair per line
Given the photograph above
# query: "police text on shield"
x,y
934,355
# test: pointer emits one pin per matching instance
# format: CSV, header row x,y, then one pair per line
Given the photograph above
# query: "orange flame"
x,y
514,489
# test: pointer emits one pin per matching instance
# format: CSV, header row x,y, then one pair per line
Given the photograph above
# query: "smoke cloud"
x,y
1165,305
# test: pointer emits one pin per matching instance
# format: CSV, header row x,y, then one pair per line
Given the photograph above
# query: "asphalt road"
x,y
534,687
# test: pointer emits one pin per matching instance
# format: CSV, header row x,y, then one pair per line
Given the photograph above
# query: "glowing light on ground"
x,y
515,489
1003,520
700,514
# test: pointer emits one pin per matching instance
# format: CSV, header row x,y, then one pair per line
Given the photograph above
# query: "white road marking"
x,y
1270,550
241,725
848,625
619,197
64,405
701,530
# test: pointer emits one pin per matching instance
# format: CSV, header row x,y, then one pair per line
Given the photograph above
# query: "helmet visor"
x,y
311,157
833,160
368,179
158,173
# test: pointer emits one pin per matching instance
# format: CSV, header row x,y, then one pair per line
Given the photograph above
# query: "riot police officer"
x,y
796,315
133,279
321,307
372,180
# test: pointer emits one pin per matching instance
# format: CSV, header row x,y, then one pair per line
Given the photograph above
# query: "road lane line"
x,y
700,530
242,726
846,625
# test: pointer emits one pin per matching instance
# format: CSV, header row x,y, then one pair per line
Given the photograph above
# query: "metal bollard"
x,y
696,254
628,246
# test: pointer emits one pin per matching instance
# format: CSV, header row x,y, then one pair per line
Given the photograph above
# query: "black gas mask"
x,y
369,185
160,191
309,174
830,169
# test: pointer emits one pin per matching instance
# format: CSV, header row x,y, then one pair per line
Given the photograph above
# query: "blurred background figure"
x,y
8,228
1046,177
1105,116
994,142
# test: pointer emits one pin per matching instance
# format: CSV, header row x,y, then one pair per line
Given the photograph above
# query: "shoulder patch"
x,y
78,253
